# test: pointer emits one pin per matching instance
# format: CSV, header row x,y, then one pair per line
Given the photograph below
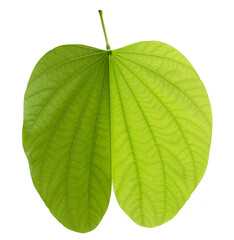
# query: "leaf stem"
x,y
104,30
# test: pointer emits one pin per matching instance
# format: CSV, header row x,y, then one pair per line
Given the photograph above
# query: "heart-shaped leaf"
x,y
141,109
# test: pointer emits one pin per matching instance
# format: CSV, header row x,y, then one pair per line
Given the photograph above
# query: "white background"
x,y
201,29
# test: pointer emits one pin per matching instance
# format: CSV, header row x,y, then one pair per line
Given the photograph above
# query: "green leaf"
x,y
139,115
161,130
66,134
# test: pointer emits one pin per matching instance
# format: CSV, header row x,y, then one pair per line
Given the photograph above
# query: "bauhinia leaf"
x,y
141,109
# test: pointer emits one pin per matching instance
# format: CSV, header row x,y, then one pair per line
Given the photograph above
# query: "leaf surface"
x,y
66,134
160,129
139,114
